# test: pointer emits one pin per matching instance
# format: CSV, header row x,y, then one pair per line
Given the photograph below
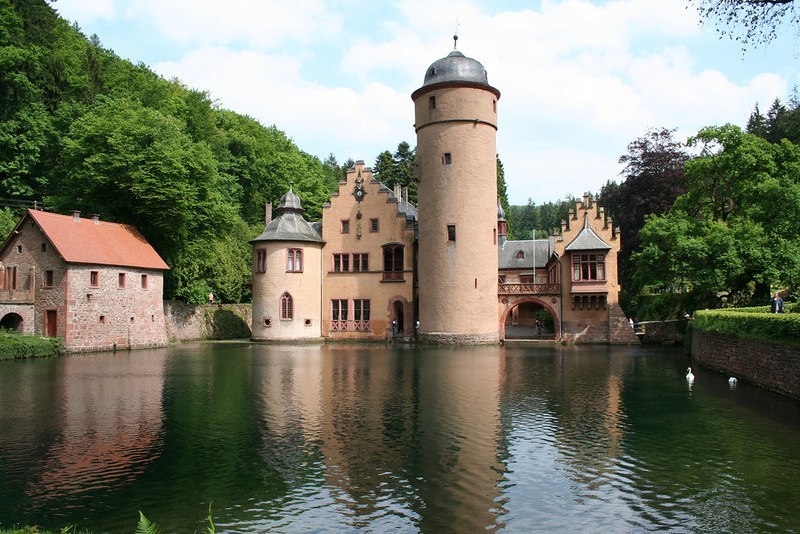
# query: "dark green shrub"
x,y
14,345
776,327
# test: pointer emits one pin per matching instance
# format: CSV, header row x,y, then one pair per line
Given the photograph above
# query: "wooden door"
x,y
51,323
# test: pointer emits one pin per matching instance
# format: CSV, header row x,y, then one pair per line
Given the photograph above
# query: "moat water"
x,y
376,438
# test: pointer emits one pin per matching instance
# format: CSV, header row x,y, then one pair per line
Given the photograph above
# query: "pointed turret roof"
x,y
289,224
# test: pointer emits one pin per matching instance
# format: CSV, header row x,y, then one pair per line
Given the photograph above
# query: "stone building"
x,y
96,285
378,267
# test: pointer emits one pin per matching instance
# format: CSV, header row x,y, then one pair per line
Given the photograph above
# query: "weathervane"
x,y
455,36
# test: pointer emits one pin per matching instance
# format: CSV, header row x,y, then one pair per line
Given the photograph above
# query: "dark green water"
x,y
349,438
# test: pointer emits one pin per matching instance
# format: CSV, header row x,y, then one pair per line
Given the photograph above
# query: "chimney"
x,y
405,194
76,215
397,188
268,212
96,218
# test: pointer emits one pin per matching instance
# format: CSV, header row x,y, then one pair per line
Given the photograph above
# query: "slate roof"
x,y
404,207
90,241
289,224
509,250
455,69
587,239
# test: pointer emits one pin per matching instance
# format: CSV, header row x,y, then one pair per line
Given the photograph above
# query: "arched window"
x,y
393,262
287,306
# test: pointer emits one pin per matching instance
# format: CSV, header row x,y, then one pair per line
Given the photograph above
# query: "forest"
x,y
708,221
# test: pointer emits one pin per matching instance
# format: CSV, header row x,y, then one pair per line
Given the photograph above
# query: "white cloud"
x,y
579,79
87,11
256,23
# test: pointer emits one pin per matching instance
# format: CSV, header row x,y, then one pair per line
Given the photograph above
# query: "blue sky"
x,y
579,79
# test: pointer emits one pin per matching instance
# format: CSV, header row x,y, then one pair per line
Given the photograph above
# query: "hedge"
x,y
13,345
750,323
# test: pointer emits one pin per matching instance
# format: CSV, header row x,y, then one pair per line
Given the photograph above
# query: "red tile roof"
x,y
80,240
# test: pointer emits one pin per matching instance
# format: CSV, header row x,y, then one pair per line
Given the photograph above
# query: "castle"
x,y
377,267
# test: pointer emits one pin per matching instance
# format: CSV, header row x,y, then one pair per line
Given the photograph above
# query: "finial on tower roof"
x,y
455,36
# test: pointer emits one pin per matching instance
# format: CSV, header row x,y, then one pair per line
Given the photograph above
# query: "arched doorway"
x,y
530,319
11,321
398,318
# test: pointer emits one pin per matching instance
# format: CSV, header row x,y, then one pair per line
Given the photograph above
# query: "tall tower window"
x,y
447,159
393,262
287,306
432,102
345,226
261,261
451,232
294,260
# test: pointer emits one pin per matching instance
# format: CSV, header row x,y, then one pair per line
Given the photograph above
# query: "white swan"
x,y
732,381
689,375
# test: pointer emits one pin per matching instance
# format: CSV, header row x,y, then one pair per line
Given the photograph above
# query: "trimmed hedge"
x,y
13,345
752,323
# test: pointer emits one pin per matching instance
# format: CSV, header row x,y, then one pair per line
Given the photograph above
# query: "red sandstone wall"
x,y
769,365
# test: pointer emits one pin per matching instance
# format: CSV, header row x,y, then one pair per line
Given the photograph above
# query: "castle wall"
x,y
114,313
769,365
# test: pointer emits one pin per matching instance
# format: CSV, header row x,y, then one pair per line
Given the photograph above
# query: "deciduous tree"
x,y
749,21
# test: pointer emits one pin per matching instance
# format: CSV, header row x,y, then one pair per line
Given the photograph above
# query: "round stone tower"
x,y
456,125
287,276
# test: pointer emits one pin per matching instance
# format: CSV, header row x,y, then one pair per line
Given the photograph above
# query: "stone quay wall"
x,y
769,365
190,322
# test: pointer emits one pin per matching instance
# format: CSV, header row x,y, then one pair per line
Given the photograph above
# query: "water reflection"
x,y
376,438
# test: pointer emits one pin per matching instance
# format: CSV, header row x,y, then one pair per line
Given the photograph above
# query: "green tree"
x,y
397,169
653,177
728,234
136,165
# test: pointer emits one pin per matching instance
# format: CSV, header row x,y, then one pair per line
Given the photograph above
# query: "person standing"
x,y
777,304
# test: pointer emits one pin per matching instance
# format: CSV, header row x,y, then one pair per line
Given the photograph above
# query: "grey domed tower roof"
x,y
289,225
455,69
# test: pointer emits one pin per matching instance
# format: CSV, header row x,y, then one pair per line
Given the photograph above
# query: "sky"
x,y
579,79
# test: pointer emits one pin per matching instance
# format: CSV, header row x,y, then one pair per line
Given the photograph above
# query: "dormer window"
x,y
520,255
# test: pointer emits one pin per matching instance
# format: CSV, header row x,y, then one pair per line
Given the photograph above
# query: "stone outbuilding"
x,y
96,285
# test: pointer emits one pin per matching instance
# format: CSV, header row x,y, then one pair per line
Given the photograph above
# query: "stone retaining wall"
x,y
189,322
770,365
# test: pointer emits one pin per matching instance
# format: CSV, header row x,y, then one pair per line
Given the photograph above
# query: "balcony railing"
x,y
351,326
529,289
392,276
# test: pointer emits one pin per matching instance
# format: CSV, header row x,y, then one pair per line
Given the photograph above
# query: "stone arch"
x,y
548,306
12,321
